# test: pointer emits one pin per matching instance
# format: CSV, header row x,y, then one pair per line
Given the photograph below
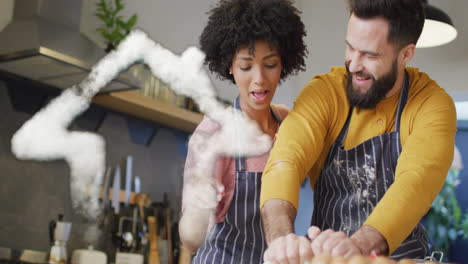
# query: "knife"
x,y
128,180
116,191
105,188
137,184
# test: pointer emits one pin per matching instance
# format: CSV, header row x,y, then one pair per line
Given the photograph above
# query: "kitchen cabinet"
x,y
133,103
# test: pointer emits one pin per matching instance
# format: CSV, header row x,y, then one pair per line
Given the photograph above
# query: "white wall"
x,y
177,24
325,22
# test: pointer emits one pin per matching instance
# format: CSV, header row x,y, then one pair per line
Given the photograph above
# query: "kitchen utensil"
x,y
60,232
88,256
169,235
105,188
123,238
158,208
126,237
142,200
137,184
128,258
185,256
116,190
153,237
8,255
134,228
128,179
33,256
58,252
129,240
162,247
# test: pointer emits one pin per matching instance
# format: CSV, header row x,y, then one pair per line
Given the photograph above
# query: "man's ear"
x,y
407,53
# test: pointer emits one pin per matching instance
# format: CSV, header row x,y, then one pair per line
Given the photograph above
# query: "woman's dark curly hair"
x,y
236,24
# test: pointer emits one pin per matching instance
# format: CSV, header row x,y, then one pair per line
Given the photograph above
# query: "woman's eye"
x,y
271,66
245,68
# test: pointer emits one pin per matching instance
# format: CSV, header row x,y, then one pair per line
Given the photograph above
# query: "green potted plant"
x,y
445,221
115,27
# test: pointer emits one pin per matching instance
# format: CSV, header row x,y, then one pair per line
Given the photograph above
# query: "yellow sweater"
x,y
428,126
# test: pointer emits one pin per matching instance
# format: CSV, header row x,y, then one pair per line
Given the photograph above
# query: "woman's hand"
x,y
201,193
200,198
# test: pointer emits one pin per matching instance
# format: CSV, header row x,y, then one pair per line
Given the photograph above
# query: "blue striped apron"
x,y
353,181
239,238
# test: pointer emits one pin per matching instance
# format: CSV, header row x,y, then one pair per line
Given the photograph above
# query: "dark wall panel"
x,y
33,193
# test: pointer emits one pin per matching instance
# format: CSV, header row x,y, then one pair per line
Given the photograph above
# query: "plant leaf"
x,y
116,36
465,226
456,215
118,6
131,22
104,4
121,23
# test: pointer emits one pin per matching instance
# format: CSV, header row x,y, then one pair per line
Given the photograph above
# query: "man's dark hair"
x,y
236,24
405,17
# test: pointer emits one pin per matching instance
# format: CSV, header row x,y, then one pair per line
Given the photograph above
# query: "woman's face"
x,y
256,75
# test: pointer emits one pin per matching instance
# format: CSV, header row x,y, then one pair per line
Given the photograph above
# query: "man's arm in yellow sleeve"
x,y
421,170
298,144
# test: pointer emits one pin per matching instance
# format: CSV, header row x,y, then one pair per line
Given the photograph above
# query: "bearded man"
x,y
375,137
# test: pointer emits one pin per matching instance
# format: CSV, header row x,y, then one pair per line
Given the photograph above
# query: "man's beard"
x,y
376,92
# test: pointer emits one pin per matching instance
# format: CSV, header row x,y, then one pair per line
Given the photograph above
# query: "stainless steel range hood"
x,y
43,43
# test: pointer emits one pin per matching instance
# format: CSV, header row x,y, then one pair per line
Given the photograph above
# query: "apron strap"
x,y
403,100
239,161
344,130
401,105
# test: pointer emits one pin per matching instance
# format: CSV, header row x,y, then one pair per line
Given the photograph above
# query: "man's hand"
x,y
289,249
364,241
283,245
333,243
369,239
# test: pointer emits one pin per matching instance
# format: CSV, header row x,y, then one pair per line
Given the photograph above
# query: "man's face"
x,y
370,60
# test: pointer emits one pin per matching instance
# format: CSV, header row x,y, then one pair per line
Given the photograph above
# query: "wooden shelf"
x,y
133,103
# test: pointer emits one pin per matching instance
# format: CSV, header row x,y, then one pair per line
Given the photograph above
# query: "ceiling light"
x,y
438,28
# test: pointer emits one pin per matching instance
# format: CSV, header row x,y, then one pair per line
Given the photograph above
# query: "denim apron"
x,y
353,181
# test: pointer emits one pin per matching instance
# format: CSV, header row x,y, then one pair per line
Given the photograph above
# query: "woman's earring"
x,y
230,72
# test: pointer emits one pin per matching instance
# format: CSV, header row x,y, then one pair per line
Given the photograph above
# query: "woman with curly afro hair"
x,y
255,44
